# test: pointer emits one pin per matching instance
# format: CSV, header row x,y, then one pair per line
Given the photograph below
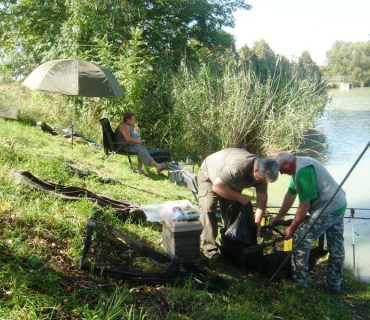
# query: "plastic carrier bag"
x,y
239,223
240,229
239,232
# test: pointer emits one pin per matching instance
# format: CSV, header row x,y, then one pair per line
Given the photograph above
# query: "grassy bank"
x,y
41,241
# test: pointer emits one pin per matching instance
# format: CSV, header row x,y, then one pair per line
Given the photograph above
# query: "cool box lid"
x,y
183,225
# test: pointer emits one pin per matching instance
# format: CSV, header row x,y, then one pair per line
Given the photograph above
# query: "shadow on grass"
x,y
27,120
157,176
45,281
36,287
22,272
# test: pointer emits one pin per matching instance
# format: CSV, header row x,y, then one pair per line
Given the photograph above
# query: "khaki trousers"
x,y
207,201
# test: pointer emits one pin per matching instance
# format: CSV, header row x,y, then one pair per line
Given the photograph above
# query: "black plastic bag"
x,y
239,223
239,232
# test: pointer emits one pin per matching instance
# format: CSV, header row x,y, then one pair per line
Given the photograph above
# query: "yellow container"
x,y
265,220
288,245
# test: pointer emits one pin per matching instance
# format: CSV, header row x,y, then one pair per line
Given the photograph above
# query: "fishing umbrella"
x,y
74,78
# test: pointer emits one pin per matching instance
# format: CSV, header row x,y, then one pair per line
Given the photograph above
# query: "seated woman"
x,y
125,132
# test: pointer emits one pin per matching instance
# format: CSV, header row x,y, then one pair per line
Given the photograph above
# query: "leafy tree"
x,y
351,60
325,71
32,32
133,70
27,31
361,64
307,68
339,58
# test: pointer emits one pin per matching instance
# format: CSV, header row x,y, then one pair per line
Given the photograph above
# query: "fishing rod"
x,y
322,211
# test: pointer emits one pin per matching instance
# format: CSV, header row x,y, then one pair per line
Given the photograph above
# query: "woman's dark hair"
x,y
128,115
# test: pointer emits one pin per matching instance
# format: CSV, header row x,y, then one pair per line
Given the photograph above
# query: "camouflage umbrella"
x,y
74,78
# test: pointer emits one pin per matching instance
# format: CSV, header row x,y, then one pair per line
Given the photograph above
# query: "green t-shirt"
x,y
306,184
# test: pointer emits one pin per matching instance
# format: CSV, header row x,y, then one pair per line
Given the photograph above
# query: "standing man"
x,y
315,187
222,177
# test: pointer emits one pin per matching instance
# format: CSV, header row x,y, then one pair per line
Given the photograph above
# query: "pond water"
x,y
340,135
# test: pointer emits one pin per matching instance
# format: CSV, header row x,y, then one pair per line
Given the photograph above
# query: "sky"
x,y
293,26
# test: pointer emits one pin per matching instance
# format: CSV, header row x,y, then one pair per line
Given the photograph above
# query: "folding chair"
x,y
112,147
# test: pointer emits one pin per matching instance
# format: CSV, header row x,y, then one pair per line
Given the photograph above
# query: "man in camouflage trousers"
x,y
315,187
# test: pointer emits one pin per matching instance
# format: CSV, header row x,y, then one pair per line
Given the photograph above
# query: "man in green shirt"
x,y
315,187
222,177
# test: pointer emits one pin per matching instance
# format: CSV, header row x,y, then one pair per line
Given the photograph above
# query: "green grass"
x,y
41,241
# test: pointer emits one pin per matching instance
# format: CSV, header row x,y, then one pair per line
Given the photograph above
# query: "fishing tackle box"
x,y
161,155
182,238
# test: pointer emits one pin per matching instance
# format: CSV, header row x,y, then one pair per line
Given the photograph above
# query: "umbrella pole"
x,y
73,117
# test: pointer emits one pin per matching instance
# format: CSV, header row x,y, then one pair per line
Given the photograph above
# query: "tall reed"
x,y
234,108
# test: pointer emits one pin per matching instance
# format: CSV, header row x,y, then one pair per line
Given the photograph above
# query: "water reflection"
x,y
314,145
347,133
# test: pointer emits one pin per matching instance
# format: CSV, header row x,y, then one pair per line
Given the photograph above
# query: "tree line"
x,y
181,73
350,60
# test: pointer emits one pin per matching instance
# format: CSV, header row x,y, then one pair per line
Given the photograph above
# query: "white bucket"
x,y
175,175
